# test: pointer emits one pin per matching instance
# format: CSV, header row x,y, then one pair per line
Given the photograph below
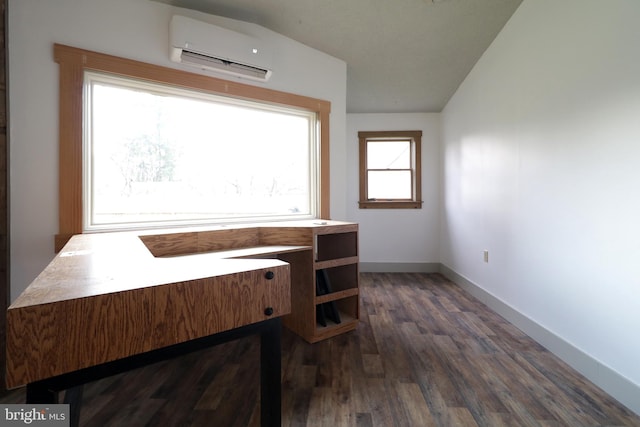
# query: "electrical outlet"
x,y
486,255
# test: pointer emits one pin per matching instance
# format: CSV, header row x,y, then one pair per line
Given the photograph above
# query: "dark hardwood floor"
x,y
425,353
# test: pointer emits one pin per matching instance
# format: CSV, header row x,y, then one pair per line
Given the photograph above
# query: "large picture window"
x,y
160,155
141,145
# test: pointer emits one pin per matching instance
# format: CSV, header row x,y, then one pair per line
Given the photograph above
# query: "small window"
x,y
390,169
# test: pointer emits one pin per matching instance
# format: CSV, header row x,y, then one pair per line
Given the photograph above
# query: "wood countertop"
x,y
101,263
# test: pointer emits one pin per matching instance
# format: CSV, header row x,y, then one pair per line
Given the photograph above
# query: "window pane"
x,y
168,155
389,184
388,155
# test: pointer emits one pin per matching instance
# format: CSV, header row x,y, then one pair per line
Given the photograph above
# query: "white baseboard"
x,y
619,387
400,267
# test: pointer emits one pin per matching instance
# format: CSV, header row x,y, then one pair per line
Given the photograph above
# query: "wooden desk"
x,y
113,300
105,298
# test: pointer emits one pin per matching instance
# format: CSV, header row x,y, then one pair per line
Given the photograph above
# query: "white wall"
x,y
397,239
133,29
542,168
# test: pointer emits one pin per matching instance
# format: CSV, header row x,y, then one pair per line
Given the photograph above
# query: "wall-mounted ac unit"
x,y
214,48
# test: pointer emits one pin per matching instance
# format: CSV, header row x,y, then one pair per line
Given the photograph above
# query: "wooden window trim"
x,y
416,141
73,62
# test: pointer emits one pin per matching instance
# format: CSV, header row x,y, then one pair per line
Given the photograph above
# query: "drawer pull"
x,y
268,311
269,275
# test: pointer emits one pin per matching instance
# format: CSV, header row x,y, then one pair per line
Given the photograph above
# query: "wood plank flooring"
x,y
425,353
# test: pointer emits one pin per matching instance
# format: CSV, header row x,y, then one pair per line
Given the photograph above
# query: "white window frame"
x,y
91,78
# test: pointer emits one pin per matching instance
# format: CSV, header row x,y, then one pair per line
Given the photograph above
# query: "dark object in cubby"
x,y
327,309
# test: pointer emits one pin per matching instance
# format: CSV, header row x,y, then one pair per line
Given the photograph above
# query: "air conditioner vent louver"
x,y
224,66
218,49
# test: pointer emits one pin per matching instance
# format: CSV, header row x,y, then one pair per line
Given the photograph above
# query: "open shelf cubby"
x,y
348,309
336,245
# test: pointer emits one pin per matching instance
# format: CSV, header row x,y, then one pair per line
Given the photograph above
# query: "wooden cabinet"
x,y
334,256
335,265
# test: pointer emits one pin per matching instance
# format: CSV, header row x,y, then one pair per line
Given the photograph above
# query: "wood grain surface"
x,y
104,297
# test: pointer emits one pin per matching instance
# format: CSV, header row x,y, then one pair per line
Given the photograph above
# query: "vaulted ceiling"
x,y
401,55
